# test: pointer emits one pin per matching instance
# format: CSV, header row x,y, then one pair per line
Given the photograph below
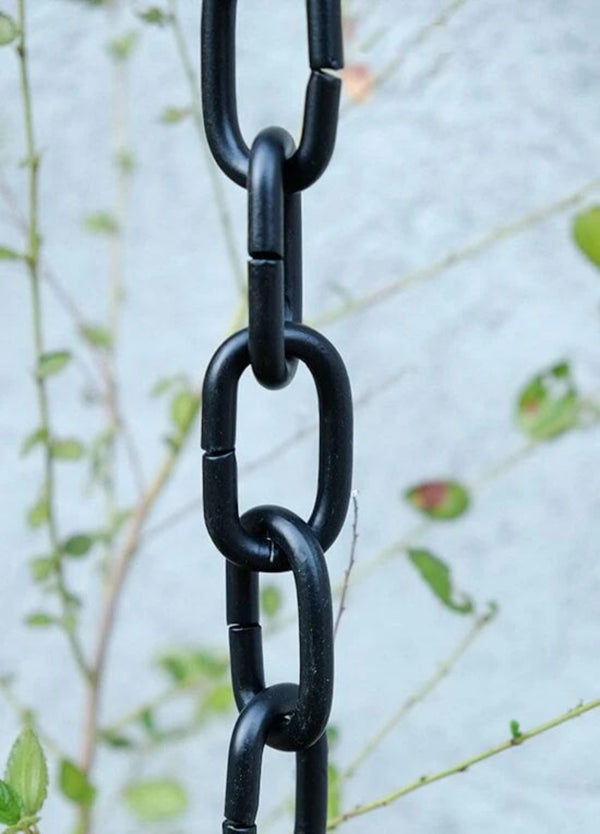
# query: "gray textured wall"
x,y
493,117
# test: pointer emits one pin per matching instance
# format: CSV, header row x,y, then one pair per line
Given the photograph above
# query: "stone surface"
x,y
490,118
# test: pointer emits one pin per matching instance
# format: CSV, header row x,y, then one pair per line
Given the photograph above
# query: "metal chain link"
x,y
290,717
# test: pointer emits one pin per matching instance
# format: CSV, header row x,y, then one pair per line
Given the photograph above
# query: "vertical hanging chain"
x,y
289,717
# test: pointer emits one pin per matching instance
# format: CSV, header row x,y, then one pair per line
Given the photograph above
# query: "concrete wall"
x,y
492,117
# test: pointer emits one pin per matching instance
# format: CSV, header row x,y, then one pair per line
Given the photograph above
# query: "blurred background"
x,y
439,258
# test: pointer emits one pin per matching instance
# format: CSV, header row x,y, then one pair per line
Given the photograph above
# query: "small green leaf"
x,y
77,545
27,772
155,16
32,440
39,619
271,600
334,791
441,500
156,799
586,232
187,666
9,30
69,449
116,740
97,336
101,223
183,409
75,785
52,363
333,735
437,575
549,404
42,567
126,161
218,701
39,514
10,803
173,115
120,49
7,254
515,730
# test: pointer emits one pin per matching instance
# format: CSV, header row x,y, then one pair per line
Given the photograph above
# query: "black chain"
x,y
290,717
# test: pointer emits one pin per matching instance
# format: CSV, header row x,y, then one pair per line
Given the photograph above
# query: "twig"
x,y
117,577
351,561
459,255
214,175
33,266
461,767
422,693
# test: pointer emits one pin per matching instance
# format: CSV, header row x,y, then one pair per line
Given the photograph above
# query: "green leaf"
x,y
69,449
97,336
515,730
441,500
334,791
333,735
549,404
75,785
218,701
586,232
42,567
187,666
9,30
39,619
101,223
116,740
7,254
120,49
52,363
27,772
156,799
437,575
10,805
184,407
155,16
271,600
77,545
173,115
39,514
32,440
126,161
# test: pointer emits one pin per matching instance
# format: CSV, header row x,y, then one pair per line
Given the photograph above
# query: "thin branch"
x,y
467,252
351,561
462,766
429,29
33,266
422,693
119,573
214,174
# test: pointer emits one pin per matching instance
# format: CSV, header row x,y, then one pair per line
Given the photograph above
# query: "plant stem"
x,y
213,173
462,766
33,267
443,670
467,252
118,574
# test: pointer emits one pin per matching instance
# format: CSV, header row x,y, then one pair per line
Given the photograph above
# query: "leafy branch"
x,y
46,364
516,740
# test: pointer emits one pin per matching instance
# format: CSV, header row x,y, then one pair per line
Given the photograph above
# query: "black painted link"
x,y
271,269
286,716
322,93
297,541
219,417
